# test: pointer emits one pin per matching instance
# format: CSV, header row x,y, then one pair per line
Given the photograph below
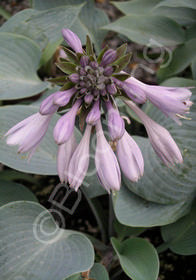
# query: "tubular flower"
x,y
65,151
116,125
79,162
89,87
130,158
172,101
108,170
28,133
161,140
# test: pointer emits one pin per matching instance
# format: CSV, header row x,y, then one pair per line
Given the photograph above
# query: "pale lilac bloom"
x,y
65,151
108,57
172,101
47,106
65,125
107,166
116,124
94,114
28,133
62,98
135,93
79,162
72,40
159,137
130,158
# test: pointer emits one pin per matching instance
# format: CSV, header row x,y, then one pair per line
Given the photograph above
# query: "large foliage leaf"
x,y
182,57
178,3
143,29
97,272
163,195
10,191
88,22
52,20
180,237
19,24
34,247
19,60
138,258
136,7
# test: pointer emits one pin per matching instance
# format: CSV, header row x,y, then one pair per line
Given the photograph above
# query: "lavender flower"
x,y
28,133
135,93
172,101
130,158
116,124
72,40
47,106
65,151
107,167
94,114
62,98
65,125
90,83
79,162
160,138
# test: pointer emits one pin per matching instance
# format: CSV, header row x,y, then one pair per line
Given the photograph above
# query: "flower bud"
x,y
72,40
65,125
107,167
108,57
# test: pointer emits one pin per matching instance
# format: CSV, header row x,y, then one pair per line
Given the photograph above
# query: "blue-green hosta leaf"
x,y
88,22
136,7
182,57
51,21
97,272
178,3
180,237
19,24
42,5
143,29
183,16
138,258
132,210
34,247
163,195
10,191
19,60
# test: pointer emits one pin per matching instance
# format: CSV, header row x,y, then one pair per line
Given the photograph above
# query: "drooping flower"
x,y
172,101
116,124
107,167
65,151
89,88
28,133
65,125
94,114
79,162
130,158
159,137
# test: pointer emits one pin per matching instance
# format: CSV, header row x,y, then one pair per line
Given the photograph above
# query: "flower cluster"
x,y
91,83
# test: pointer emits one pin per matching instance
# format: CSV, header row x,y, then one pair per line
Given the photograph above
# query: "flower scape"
x,y
89,88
